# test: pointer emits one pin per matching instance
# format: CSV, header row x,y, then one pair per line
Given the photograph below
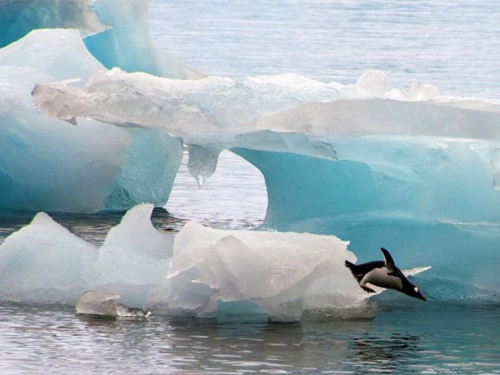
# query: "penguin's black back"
x,y
360,270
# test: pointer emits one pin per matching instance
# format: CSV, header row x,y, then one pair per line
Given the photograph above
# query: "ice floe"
x,y
204,273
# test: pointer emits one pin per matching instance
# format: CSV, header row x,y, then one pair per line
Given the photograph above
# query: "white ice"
x,y
273,270
207,273
217,112
133,257
45,263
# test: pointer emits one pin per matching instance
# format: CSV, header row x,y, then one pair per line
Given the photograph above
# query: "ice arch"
x,y
420,206
411,171
235,195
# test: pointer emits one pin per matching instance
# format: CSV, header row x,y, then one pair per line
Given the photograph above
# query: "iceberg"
x,y
271,270
79,170
43,263
133,257
115,32
46,165
410,170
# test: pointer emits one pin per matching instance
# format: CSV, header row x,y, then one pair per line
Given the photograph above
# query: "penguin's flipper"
x,y
389,262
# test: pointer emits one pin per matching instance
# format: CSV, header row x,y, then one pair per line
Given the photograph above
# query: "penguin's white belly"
x,y
379,277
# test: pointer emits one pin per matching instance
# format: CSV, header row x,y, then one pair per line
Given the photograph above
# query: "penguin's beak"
x,y
415,293
419,296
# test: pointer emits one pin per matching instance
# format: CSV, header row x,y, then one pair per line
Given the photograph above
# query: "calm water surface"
x,y
452,44
455,45
413,338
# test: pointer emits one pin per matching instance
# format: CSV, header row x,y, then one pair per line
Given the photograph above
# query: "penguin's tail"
x,y
348,264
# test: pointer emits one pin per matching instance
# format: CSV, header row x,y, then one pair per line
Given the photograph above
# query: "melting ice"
x,y
412,170
205,272
100,304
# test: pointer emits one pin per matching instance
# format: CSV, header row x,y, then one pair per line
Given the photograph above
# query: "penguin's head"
x,y
413,291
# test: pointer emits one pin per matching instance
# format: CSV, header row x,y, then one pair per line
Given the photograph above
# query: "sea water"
x,y
410,338
454,45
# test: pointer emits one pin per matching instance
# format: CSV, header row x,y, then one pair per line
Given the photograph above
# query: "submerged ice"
x,y
106,305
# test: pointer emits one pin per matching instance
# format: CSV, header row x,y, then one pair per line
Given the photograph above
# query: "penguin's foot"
x,y
366,289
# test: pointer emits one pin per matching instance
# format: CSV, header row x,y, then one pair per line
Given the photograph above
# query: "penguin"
x,y
383,274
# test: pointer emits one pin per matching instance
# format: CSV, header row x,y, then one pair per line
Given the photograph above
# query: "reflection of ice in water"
x,y
235,196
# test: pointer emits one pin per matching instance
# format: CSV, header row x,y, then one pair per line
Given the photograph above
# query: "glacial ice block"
x,y
272,270
49,165
19,17
192,109
58,54
95,303
45,263
215,110
133,257
430,201
227,273
411,170
373,83
116,32
127,44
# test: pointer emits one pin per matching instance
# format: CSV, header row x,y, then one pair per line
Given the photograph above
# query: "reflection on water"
x,y
384,350
436,338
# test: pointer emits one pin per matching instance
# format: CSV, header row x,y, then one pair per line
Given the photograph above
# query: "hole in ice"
x,y
234,196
